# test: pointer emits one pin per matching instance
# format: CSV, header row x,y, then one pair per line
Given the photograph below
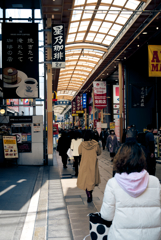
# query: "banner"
x,y
100,98
117,128
20,60
58,46
78,104
74,109
154,59
143,96
84,100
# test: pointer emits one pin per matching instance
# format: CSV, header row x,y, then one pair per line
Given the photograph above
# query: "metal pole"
x,y
156,104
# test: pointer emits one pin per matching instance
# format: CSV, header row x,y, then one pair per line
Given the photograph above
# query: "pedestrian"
x,y
76,141
132,198
96,135
112,144
150,148
103,138
62,148
88,176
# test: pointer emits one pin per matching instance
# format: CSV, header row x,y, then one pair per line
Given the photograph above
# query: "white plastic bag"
x,y
70,153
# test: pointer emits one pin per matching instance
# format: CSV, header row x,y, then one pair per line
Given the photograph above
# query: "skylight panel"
x,y
102,12
90,36
73,27
95,25
113,32
77,14
92,1
132,4
111,17
80,36
107,1
116,27
119,2
105,27
83,26
99,37
121,20
106,42
109,38
71,37
88,14
79,2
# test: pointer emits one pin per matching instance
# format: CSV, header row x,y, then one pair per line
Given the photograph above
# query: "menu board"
x,y
10,147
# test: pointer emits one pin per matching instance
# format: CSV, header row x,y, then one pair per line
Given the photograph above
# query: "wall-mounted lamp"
x,y
2,111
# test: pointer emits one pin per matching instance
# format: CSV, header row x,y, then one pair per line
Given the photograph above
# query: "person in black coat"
x,y
62,148
103,138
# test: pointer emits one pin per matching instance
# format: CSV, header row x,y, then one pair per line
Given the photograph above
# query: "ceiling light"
x,y
124,57
107,73
145,33
138,45
114,66
118,59
157,28
103,74
55,9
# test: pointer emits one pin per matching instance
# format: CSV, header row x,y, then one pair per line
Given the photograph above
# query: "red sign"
x,y
100,98
55,129
95,123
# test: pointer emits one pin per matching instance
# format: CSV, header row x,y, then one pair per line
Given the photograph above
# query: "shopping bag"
x,y
98,227
70,153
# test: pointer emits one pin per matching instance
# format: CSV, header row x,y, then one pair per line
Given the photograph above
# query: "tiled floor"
x,y
44,203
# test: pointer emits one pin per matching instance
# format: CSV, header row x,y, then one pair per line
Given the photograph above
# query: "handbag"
x,y
98,227
70,153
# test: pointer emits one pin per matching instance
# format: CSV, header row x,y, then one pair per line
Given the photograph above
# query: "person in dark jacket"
x,y
62,148
112,144
150,148
103,138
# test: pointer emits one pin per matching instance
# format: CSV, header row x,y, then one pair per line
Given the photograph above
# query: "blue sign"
x,y
62,103
84,100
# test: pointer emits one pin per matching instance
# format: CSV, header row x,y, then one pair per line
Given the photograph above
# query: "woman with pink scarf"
x,y
132,198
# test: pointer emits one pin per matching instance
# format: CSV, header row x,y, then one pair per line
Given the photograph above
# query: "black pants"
x,y
103,143
77,162
64,159
151,165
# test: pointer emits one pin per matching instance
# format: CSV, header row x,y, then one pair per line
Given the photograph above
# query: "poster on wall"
x,y
13,102
10,147
142,96
36,127
100,98
58,46
154,58
20,60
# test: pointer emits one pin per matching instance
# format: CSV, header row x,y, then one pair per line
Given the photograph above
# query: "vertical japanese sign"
x,y
84,100
154,58
143,96
20,60
74,109
58,46
100,98
78,104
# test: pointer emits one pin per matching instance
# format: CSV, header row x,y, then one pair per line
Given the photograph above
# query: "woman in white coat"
x,y
132,198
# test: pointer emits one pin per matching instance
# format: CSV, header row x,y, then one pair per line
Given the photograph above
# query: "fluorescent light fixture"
x,y
124,57
145,33
138,45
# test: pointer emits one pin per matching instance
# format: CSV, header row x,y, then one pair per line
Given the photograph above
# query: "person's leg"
x,y
64,160
89,196
76,165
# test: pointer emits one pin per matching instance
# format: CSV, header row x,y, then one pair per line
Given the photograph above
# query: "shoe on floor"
x,y
64,166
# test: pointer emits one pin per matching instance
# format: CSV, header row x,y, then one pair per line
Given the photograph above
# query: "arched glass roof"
x,y
94,25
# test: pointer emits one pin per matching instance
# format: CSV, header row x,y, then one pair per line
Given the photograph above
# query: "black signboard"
x,y
20,60
58,46
142,96
20,119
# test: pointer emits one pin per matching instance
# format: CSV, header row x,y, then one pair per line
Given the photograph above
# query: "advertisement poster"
x,y
36,127
112,126
154,58
84,100
20,60
58,46
117,128
99,127
78,104
55,129
10,147
100,98
13,102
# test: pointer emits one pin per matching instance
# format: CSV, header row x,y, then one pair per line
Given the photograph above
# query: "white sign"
x,y
58,64
60,118
116,94
103,125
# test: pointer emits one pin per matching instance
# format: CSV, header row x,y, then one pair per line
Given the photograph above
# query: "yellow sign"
x,y
10,147
79,111
112,126
75,115
154,60
54,95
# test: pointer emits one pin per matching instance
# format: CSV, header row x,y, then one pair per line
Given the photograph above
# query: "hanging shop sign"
x,y
58,46
11,103
54,96
78,104
62,103
142,96
20,60
154,59
74,109
100,99
112,126
10,147
84,100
